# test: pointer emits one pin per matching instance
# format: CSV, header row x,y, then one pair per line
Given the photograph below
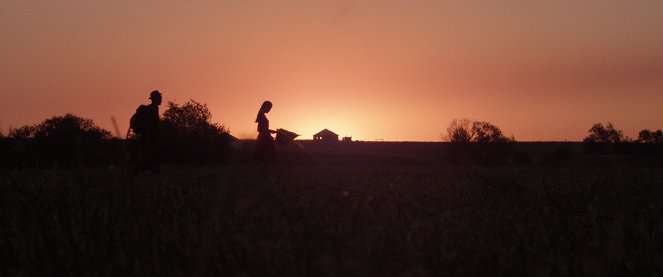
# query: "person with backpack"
x,y
145,126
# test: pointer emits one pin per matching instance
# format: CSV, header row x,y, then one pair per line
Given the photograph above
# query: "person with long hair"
x,y
264,148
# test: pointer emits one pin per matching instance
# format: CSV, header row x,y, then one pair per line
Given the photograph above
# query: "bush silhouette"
x,y
63,140
604,134
70,126
647,136
491,148
23,132
192,117
486,132
189,136
605,139
465,130
459,130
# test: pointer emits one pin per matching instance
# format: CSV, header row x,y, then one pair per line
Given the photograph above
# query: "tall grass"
x,y
308,220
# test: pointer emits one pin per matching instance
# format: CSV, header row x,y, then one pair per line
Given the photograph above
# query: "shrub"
x,y
189,136
465,130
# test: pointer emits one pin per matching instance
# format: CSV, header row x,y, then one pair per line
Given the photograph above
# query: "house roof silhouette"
x,y
325,133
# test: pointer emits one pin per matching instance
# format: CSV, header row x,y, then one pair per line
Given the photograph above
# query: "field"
x,y
343,214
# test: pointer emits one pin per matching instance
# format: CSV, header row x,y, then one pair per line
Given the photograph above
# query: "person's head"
x,y
155,96
266,107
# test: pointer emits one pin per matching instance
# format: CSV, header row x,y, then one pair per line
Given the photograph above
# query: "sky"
x,y
372,69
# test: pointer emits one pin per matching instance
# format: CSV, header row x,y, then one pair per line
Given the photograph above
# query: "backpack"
x,y
138,121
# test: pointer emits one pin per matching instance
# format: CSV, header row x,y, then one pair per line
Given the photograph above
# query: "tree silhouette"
x,y
604,134
465,130
191,117
70,126
657,137
460,130
64,140
23,132
67,126
188,136
486,132
647,136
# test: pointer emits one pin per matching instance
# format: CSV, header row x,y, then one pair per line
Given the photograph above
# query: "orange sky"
x,y
392,70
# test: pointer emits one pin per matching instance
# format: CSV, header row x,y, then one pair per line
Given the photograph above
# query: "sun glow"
x,y
543,70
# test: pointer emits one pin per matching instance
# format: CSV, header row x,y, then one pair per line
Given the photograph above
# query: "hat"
x,y
154,94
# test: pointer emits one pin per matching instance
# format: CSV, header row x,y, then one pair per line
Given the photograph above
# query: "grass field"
x,y
317,218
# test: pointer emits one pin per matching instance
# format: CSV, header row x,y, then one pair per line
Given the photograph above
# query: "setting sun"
x,y
398,71
331,138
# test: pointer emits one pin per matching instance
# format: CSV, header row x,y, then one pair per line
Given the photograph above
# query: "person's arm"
x,y
263,129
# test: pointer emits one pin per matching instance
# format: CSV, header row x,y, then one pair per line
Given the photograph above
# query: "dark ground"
x,y
361,209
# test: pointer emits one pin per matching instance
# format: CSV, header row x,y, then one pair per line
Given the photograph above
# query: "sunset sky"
x,y
392,70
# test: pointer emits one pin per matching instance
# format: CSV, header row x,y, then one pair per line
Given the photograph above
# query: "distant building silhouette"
x,y
347,139
325,136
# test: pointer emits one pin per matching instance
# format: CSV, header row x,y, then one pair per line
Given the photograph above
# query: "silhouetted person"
x,y
145,124
264,149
